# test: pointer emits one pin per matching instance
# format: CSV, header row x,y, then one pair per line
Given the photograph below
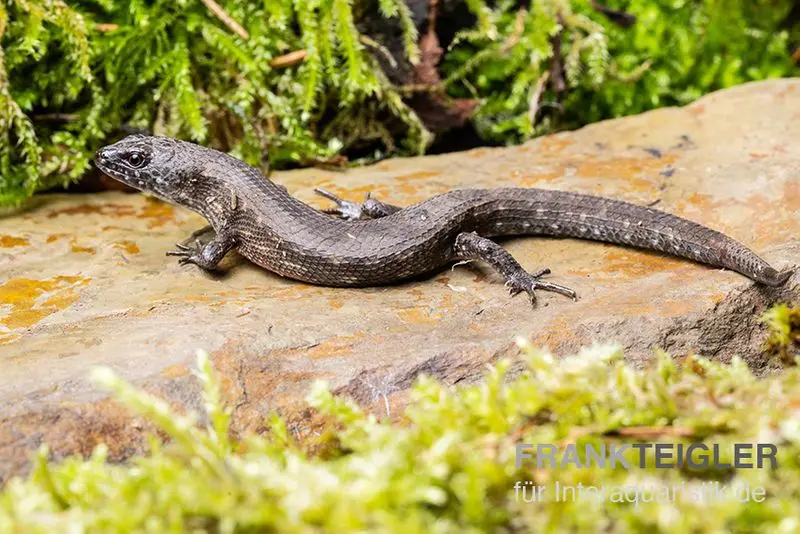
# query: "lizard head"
x,y
148,163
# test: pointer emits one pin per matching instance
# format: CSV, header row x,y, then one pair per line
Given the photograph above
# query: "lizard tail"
x,y
565,214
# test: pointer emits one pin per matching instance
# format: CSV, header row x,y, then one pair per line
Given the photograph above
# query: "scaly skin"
x,y
384,243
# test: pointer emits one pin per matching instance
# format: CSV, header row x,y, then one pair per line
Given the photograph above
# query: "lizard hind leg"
x,y
354,211
471,246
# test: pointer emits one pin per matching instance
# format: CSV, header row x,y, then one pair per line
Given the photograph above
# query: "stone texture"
x,y
84,280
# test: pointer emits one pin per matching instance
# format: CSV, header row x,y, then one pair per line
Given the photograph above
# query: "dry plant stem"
x,y
536,96
288,60
226,19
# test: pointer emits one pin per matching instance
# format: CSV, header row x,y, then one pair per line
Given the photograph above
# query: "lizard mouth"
x,y
105,161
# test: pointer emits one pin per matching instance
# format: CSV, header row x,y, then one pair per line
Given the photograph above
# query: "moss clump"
x,y
449,466
560,64
783,321
293,82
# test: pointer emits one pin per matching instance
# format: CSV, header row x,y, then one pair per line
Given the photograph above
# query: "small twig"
x,y
420,88
636,74
433,11
106,27
536,95
519,27
288,60
620,18
61,117
556,63
226,19
370,42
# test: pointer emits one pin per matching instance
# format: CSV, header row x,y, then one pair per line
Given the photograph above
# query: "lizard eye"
x,y
135,159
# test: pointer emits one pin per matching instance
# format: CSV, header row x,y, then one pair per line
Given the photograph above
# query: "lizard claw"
x,y
345,209
529,283
187,254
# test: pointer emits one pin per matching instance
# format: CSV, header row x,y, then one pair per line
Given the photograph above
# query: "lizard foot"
x,y
189,254
524,281
345,209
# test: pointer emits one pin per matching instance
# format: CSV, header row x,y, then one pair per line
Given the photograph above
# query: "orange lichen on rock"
x,y
75,247
639,264
107,210
27,301
159,213
128,246
420,315
637,173
8,241
176,371
336,346
52,238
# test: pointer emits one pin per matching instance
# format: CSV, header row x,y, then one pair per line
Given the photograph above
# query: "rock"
x,y
85,281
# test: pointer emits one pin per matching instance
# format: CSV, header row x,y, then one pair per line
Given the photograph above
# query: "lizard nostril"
x,y
101,156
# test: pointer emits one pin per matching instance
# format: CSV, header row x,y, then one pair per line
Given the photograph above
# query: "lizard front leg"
x,y
471,246
354,211
205,256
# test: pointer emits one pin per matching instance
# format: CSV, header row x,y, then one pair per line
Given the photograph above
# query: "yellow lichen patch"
x,y
419,315
159,213
560,330
697,201
477,152
553,144
678,307
197,298
412,194
55,237
75,247
638,264
128,246
418,175
8,338
8,241
476,327
633,171
532,180
769,225
107,210
335,346
32,300
175,371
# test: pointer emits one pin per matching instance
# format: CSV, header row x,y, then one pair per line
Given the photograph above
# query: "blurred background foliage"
x,y
302,82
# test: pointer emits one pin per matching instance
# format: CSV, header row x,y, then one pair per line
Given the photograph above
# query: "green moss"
x,y
783,321
447,466
676,52
72,74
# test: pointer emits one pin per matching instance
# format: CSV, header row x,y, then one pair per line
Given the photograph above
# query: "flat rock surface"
x,y
84,280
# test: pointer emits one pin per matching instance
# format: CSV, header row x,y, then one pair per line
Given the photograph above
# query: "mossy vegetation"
x,y
449,464
783,321
297,82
